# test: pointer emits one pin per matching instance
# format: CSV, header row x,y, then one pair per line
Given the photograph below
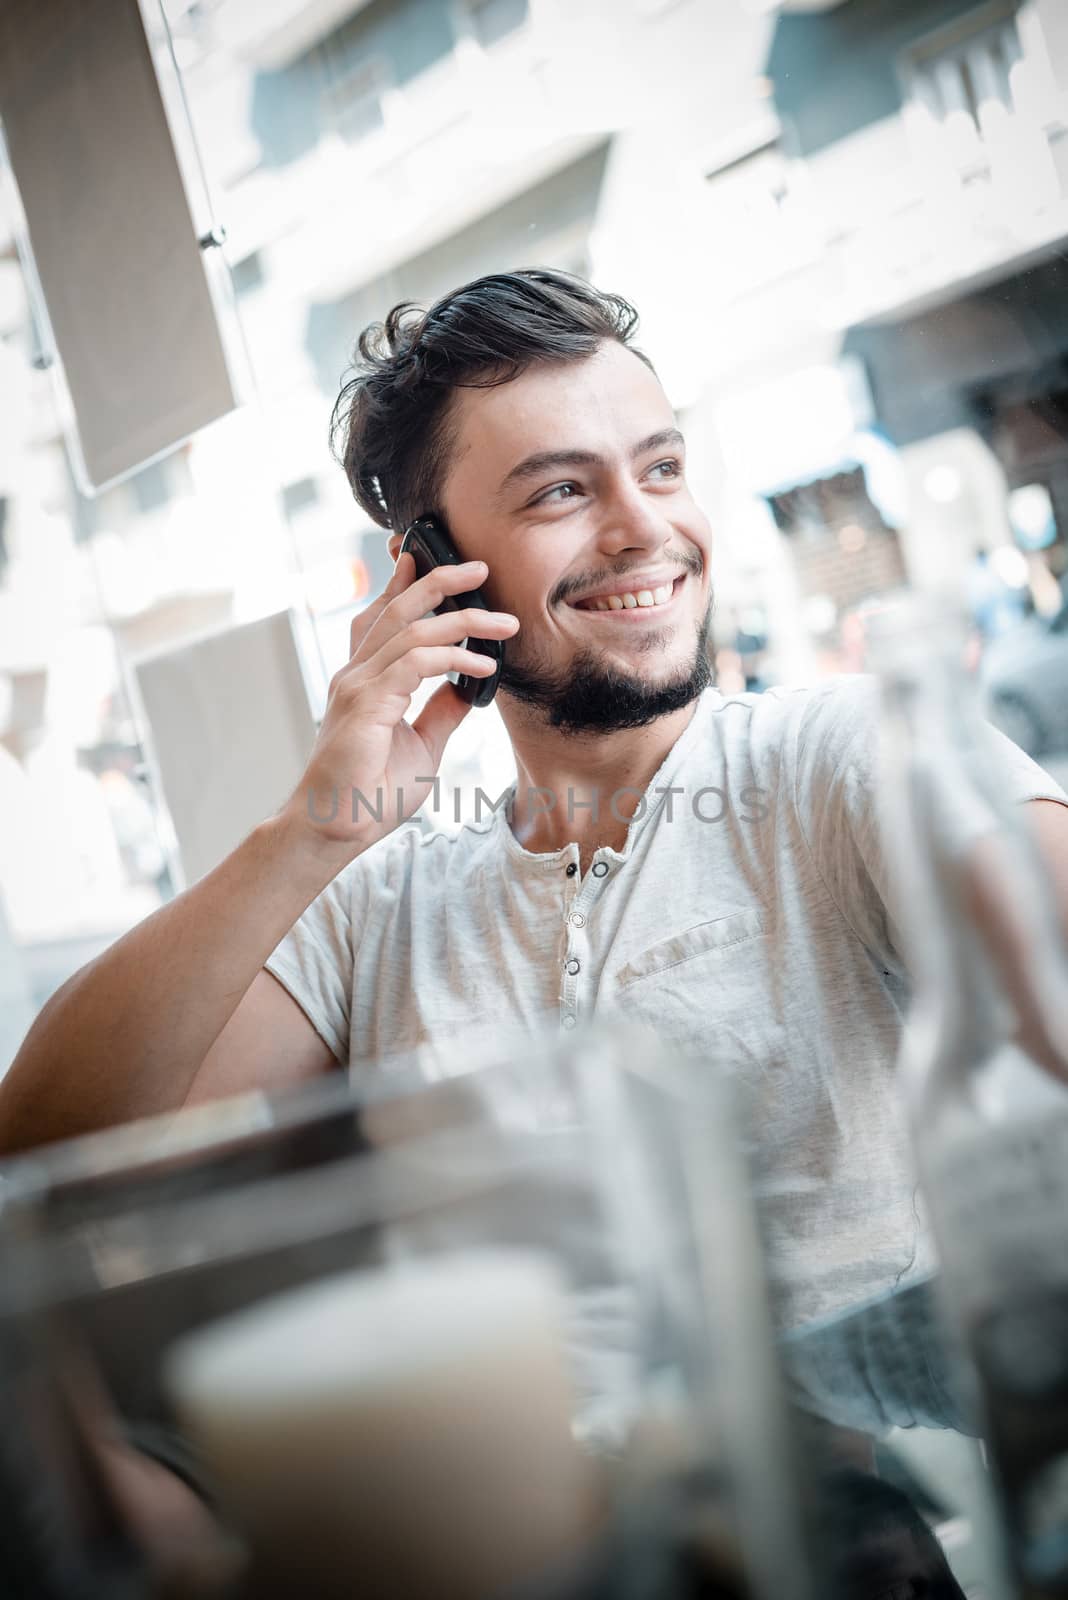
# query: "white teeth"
x,y
643,597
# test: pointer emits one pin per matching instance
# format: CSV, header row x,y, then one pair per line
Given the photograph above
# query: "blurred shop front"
x,y
831,491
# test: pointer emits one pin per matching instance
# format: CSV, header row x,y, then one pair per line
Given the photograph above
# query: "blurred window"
x,y
963,83
354,99
975,70
300,496
493,20
151,487
247,274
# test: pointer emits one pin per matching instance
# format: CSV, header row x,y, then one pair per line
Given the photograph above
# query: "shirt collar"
x,y
650,805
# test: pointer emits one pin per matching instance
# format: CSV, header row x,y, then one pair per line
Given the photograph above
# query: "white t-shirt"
x,y
745,920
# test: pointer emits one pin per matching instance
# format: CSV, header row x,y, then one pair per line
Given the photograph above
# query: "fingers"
x,y
404,675
451,628
425,649
429,591
364,620
405,601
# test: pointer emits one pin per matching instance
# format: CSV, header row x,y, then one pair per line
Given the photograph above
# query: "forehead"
x,y
602,403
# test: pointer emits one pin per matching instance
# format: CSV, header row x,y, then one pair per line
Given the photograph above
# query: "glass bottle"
x,y
984,1068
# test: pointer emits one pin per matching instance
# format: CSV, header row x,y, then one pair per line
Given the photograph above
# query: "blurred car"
x,y
1024,674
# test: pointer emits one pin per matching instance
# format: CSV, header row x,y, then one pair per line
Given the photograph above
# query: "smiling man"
x,y
619,642
709,866
596,546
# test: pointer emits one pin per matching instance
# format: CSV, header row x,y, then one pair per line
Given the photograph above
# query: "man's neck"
x,y
584,787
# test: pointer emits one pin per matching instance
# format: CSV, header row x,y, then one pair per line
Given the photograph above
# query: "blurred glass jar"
x,y
984,1069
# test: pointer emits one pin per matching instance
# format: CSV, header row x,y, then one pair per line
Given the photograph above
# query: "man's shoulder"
x,y
823,718
414,849
839,711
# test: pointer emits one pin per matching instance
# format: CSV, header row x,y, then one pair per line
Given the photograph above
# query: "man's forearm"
x,y
124,1037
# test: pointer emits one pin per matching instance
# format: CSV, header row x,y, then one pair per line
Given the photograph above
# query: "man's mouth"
x,y
629,604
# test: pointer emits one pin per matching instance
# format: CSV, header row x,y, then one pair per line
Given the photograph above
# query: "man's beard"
x,y
589,697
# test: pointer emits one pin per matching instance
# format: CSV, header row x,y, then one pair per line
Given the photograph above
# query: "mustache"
x,y
689,561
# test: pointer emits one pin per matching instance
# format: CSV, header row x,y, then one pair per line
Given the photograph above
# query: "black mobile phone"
x,y
430,545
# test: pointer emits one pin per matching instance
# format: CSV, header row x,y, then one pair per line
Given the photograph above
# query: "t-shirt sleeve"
x,y
836,792
316,959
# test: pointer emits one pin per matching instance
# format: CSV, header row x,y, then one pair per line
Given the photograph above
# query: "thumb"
x,y
439,720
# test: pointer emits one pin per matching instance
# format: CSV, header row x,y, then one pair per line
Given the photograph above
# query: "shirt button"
x,y
600,868
573,967
571,870
567,1022
577,920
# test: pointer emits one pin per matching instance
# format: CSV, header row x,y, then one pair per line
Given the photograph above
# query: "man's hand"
x,y
366,752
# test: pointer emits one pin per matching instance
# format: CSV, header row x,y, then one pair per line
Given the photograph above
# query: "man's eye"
x,y
670,469
556,495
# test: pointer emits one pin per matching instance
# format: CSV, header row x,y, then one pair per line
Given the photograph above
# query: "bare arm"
x,y
1031,969
132,1033
268,1043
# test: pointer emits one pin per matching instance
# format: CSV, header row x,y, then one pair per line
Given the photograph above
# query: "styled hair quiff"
x,y
390,426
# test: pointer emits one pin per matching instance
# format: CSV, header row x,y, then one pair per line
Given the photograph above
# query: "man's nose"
x,y
632,520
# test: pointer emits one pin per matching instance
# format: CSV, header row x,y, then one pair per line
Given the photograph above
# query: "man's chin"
x,y
599,697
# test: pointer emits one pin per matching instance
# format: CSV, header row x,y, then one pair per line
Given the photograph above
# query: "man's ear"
x,y
393,545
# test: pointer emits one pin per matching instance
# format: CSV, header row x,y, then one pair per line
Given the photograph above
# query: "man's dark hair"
x,y
390,426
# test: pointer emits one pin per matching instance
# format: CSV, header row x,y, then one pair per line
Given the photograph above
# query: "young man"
x,y
708,866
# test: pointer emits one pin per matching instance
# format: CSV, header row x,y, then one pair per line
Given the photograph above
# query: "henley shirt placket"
x,y
573,996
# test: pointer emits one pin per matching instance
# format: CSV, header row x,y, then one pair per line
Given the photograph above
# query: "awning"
x,y
938,369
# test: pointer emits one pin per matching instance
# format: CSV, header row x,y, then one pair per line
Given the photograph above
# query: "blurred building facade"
x,y
889,373
841,223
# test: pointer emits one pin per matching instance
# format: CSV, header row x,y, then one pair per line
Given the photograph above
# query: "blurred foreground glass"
x,y
571,1388
985,1072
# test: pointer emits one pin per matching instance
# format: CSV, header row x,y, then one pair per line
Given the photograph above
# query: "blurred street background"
x,y
843,225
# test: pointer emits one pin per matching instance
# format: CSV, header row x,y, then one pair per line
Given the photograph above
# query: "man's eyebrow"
x,y
547,460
